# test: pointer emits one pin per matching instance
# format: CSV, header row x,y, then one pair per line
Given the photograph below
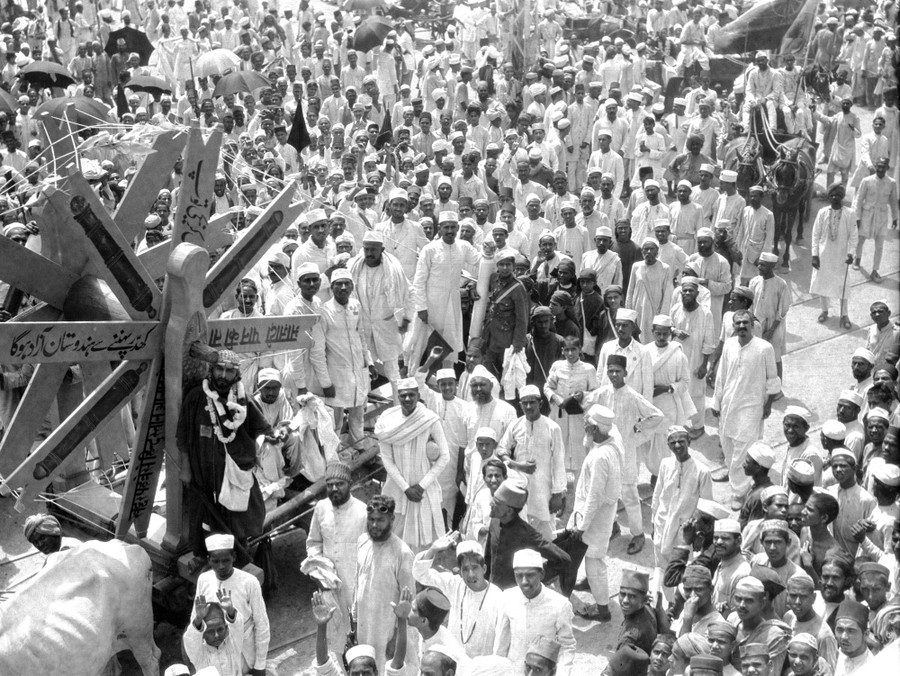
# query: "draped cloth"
x,y
414,452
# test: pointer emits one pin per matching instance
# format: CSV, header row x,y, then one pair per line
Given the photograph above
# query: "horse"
x,y
793,176
743,155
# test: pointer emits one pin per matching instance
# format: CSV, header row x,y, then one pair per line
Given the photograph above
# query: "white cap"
x,y
728,176
529,391
219,541
527,558
662,320
624,313
768,257
268,375
732,526
486,433
469,547
361,650
407,384
280,258
307,269
651,183
448,217
177,670
341,274
373,237
799,412
863,353
601,416
834,430
316,215
762,453
445,374
398,194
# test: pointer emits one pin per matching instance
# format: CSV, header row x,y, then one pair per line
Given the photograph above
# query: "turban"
x,y
267,375
41,524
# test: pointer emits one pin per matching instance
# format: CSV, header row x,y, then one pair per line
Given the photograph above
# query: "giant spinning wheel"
x,y
138,343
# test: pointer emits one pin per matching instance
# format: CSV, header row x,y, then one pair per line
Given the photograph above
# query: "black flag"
x,y
386,133
299,136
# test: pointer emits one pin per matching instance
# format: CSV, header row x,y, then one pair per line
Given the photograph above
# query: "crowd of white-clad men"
x,y
557,277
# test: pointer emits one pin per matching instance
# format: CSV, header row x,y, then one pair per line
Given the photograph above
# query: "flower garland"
x,y
217,411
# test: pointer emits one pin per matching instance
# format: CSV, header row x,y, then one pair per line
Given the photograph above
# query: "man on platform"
x,y
217,432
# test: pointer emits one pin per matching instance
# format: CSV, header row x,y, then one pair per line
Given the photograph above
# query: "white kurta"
x,y
834,237
597,493
384,569
522,620
474,618
226,658
649,293
333,533
436,286
246,595
679,486
540,441
564,380
746,376
339,355
670,368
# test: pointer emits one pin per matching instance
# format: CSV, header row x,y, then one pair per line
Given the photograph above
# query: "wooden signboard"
x,y
261,334
34,274
74,342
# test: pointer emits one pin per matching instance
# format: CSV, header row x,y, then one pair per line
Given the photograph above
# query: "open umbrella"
x,y
216,62
371,33
244,81
357,5
87,113
148,83
135,41
46,74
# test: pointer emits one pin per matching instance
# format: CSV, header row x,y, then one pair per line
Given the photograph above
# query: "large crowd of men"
x,y
549,274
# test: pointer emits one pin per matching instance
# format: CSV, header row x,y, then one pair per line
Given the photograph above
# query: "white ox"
x,y
77,613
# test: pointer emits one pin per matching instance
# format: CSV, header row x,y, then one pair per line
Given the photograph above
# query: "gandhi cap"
x,y
512,494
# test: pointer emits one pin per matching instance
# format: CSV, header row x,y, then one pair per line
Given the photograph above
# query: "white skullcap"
x,y
624,313
177,670
601,416
680,101
341,274
445,374
398,194
481,372
529,391
307,269
407,384
219,541
732,526
852,396
448,217
684,183
361,650
316,215
727,176
834,430
651,183
604,231
469,547
799,412
373,237
887,474
268,375
486,433
527,558
762,453
280,258
662,320
768,257
708,168
705,232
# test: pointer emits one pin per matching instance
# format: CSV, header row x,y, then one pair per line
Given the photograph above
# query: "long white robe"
x,y
436,286
678,487
383,570
649,293
414,452
564,380
834,237
383,293
670,367
339,355
746,376
334,533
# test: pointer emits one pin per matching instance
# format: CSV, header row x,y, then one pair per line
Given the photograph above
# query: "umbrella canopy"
x,y
88,112
244,81
149,84
7,103
46,74
135,41
216,62
371,33
356,5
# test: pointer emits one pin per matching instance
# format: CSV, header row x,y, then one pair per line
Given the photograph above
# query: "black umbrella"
x,y
149,84
8,103
46,74
242,81
135,41
88,112
371,33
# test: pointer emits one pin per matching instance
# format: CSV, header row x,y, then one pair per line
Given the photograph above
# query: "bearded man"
x,y
217,432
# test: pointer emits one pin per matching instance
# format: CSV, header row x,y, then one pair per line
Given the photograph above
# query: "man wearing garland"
x,y
217,432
